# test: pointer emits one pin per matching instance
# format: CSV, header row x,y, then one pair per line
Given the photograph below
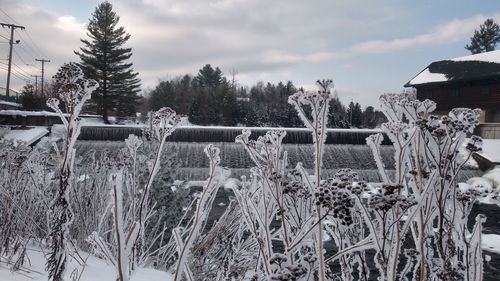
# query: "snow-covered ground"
x,y
35,113
27,136
491,243
491,149
95,270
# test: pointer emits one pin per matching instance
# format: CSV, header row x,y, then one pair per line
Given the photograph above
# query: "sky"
x,y
366,47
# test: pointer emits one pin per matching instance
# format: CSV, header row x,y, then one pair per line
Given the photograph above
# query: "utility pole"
x,y
43,61
36,83
11,43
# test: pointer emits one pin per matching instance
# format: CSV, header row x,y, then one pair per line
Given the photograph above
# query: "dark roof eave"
x,y
452,82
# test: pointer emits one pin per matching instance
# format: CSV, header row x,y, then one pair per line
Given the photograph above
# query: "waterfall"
x,y
194,163
227,134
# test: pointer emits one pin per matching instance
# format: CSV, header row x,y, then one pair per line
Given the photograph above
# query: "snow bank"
x,y
96,270
491,243
27,136
491,149
36,113
13,104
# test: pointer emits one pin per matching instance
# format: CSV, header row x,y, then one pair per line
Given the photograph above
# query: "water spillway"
x,y
228,134
345,148
193,163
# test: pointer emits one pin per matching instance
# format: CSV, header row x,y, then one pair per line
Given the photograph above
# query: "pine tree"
x,y
210,87
485,39
355,114
104,59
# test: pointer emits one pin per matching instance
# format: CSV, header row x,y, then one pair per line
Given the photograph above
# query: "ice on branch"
x,y
74,90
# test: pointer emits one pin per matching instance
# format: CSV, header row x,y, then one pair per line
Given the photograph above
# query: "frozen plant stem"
x,y
164,122
318,103
74,91
205,202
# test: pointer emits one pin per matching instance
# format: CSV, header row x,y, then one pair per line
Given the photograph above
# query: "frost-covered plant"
x,y
129,204
186,237
427,164
415,220
74,91
278,205
25,198
318,104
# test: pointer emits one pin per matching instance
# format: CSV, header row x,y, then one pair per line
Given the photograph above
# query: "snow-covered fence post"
x,y
74,91
318,103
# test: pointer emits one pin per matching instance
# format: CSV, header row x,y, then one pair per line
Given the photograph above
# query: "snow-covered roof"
x,y
473,67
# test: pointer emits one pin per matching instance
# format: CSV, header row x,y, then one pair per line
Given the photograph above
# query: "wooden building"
x,y
471,81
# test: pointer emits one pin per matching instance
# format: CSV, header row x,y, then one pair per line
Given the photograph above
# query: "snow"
x,y
27,136
491,149
95,270
35,113
491,242
493,56
493,176
56,134
10,103
427,77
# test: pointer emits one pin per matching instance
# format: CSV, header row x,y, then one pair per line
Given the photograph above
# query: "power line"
x,y
15,74
24,62
21,69
27,34
8,16
28,52
33,42
18,70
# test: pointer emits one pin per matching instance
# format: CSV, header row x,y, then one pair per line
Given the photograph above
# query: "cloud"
x,y
453,31
170,37
261,39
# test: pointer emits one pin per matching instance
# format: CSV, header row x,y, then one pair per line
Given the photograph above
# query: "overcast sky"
x,y
367,47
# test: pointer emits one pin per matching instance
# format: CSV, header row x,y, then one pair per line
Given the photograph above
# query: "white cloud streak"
x,y
449,32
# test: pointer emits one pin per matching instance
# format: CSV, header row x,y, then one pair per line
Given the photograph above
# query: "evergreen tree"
x,y
104,59
485,39
163,96
337,117
230,114
355,114
210,88
369,117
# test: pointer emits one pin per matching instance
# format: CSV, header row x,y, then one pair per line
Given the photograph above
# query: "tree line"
x,y
210,98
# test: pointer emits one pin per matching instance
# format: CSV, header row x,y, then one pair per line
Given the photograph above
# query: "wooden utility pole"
x,y
43,61
36,83
11,43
